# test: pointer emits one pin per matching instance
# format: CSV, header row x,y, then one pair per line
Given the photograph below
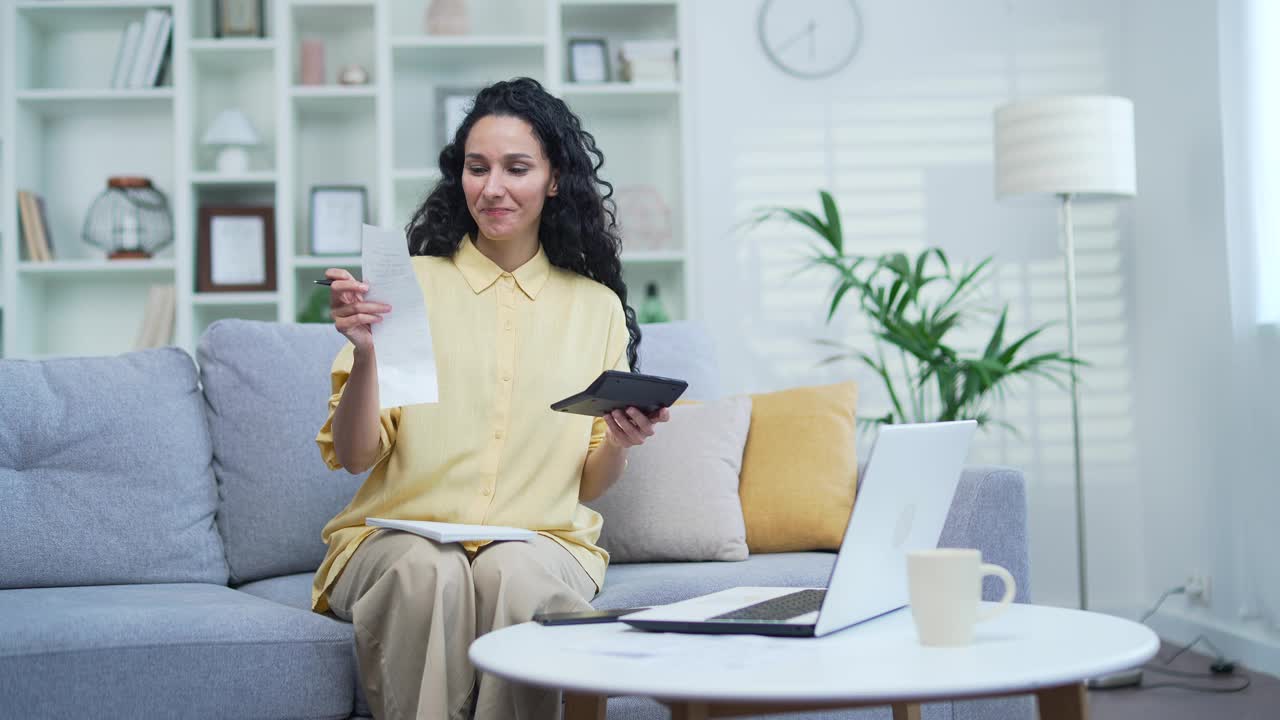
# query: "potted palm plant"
x,y
914,305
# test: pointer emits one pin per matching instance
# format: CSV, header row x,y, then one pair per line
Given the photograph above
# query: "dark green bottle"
x,y
651,309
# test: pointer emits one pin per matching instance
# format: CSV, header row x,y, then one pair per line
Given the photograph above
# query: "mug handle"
x,y
1010,587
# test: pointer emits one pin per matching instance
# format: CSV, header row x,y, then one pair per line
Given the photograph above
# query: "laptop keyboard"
x,y
783,607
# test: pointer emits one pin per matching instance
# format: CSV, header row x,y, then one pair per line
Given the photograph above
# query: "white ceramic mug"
x,y
945,587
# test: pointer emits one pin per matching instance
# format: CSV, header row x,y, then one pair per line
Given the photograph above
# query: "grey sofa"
x,y
160,523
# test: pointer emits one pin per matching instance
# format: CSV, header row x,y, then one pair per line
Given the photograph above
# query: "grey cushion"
x,y
266,386
189,650
645,584
104,473
677,499
292,590
989,513
295,591
681,350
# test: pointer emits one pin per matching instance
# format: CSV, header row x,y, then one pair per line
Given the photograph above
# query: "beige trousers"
x,y
416,606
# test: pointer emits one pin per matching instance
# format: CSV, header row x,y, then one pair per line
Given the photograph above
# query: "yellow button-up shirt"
x,y
491,451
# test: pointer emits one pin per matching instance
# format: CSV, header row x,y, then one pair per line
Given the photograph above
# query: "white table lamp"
x,y
232,130
1068,147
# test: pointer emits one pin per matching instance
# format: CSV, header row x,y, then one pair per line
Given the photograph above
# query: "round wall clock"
x,y
810,38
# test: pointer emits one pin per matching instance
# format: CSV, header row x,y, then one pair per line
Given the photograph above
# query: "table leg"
x,y
689,711
1067,702
906,711
584,707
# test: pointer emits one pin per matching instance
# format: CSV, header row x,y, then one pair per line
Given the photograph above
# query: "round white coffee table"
x,y
1030,649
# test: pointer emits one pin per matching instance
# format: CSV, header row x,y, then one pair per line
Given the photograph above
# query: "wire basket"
x,y
130,219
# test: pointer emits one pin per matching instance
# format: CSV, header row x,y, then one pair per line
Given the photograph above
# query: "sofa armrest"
x,y
989,513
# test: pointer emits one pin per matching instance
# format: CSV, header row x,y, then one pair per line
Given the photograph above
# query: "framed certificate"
x,y
452,106
239,18
588,60
237,250
337,212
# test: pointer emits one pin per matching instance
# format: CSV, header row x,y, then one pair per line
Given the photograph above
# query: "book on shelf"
x,y
144,51
157,318
35,226
125,54
159,60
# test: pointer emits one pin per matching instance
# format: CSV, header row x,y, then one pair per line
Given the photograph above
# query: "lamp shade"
x,y
1078,145
231,127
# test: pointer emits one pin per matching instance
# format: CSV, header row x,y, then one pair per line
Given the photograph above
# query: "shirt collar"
x,y
480,272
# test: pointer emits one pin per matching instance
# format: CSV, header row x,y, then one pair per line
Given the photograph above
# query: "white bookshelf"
x,y
64,130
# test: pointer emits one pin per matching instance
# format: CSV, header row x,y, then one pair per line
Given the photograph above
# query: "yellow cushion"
x,y
800,468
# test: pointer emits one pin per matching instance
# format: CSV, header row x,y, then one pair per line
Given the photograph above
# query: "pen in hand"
x,y
325,281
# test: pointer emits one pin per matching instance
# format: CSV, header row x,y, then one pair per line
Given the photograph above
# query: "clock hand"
x,y
808,30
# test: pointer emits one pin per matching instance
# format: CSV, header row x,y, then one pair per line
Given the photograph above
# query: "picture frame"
x,y
589,60
336,215
452,105
239,18
236,249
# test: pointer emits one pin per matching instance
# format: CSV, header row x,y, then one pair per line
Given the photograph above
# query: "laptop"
x,y
902,503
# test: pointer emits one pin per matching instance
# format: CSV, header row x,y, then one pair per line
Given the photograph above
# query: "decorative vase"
x,y
312,72
352,75
447,17
129,220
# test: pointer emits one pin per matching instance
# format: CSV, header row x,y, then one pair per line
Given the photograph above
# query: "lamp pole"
x,y
1070,252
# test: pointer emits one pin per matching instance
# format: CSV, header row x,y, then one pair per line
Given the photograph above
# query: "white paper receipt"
x,y
402,341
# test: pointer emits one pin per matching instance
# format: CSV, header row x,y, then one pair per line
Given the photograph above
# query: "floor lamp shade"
x,y
1067,145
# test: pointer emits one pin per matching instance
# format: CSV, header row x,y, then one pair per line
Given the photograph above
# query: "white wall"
x,y
1206,384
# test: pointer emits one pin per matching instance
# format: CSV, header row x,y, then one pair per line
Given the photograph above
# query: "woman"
x,y
518,261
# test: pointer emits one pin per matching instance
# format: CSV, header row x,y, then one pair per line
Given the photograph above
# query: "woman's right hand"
x,y
352,315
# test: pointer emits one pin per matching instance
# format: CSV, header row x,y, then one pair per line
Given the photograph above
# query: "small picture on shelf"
x,y
239,18
237,250
337,212
588,60
452,106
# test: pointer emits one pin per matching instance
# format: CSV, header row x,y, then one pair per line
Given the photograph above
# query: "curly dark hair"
x,y
578,228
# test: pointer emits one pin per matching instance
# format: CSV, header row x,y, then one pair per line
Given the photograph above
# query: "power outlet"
x,y
1198,589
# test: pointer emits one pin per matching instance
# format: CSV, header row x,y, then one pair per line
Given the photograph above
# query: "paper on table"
x,y
402,341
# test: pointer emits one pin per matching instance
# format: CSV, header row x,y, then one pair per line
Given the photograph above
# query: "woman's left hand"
x,y
631,427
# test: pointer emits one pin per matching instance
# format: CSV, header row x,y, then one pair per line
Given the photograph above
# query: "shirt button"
x,y
509,325
486,492
497,434
506,378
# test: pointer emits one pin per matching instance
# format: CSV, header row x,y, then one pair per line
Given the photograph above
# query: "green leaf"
x,y
997,336
1011,352
835,233
808,219
834,359
845,286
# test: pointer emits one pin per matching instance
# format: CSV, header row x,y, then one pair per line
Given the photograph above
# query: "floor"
x,y
1260,700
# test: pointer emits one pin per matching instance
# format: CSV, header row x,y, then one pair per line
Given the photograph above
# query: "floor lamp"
x,y
1069,147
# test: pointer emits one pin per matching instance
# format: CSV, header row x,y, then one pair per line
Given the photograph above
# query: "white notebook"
x,y
453,532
